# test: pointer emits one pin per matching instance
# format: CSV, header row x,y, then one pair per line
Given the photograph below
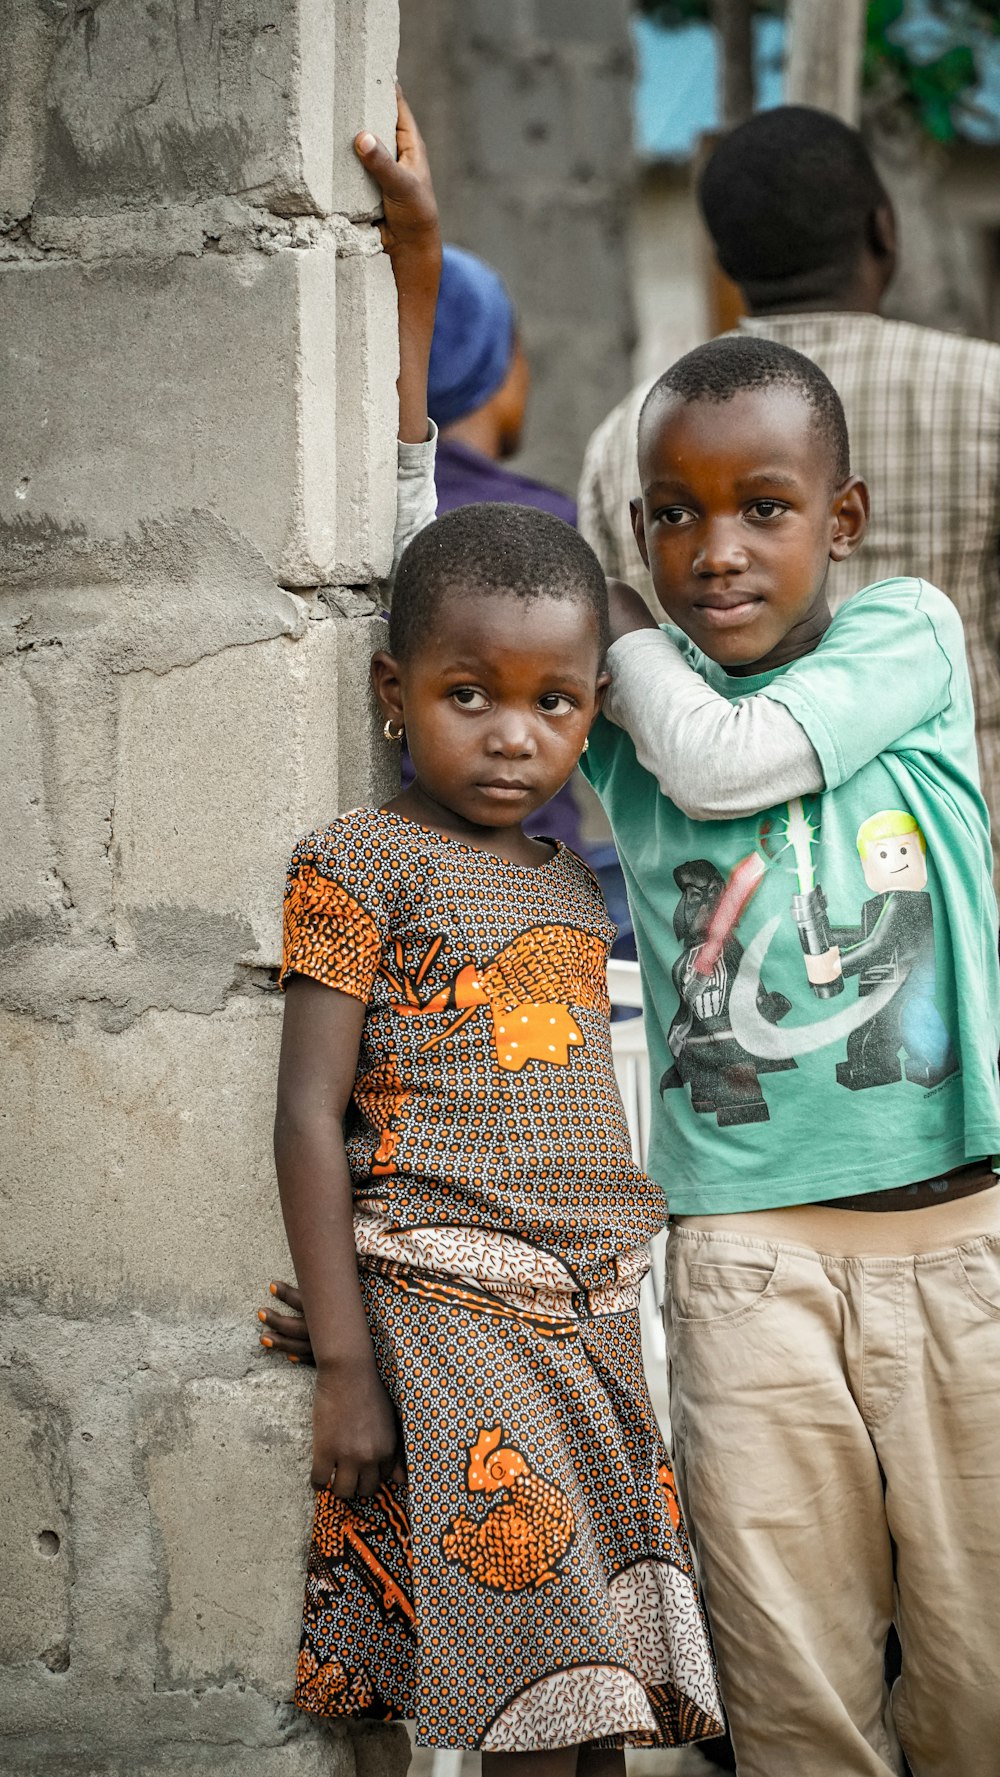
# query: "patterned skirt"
x,y
531,1585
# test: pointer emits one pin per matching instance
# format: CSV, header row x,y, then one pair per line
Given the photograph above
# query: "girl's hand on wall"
x,y
356,1436
288,1333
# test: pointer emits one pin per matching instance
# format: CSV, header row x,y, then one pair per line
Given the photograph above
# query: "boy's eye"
x,y
555,703
468,698
766,508
673,514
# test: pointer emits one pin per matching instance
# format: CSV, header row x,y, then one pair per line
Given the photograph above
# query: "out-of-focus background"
x,y
565,136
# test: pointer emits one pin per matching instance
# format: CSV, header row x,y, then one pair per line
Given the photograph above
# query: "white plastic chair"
x,y
631,1058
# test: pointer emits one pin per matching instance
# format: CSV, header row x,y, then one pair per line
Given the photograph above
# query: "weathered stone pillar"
x,y
197,363
526,109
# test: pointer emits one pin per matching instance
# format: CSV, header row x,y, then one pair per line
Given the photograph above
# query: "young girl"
x,y
497,1547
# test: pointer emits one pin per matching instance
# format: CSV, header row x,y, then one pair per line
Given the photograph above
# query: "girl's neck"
x,y
416,804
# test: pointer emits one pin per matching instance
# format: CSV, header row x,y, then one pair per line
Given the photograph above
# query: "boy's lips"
x,y
727,610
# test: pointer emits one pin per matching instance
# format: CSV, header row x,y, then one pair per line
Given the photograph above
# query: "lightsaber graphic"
x,y
759,1036
809,909
744,879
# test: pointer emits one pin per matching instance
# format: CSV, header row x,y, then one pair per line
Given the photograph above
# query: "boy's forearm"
x,y
317,1207
714,759
417,273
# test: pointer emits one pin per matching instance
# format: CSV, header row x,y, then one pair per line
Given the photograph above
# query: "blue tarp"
x,y
676,87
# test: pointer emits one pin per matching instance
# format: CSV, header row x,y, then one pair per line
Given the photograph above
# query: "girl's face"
x,y
496,702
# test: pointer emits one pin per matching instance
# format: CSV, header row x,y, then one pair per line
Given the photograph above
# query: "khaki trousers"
x,y
835,1409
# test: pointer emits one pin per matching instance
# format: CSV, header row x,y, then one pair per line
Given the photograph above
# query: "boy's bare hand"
x,y
627,610
356,1436
411,217
288,1333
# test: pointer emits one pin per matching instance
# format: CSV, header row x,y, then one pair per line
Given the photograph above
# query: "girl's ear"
x,y
850,517
387,685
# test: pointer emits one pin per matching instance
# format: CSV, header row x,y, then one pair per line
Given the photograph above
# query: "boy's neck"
x,y
803,638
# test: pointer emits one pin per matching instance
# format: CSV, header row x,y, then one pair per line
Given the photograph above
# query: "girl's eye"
x,y
468,698
555,704
766,508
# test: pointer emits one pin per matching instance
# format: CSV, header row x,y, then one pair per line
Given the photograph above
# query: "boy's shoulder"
x,y
903,619
899,595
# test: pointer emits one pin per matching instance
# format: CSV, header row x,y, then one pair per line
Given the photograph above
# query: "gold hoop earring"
x,y
389,733
586,744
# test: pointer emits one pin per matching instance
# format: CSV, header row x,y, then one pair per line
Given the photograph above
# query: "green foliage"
x,y
936,90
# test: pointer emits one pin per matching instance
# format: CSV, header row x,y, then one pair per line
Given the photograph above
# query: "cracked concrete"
x,y
197,465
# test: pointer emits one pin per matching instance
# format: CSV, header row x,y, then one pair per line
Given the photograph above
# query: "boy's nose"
x,y
722,550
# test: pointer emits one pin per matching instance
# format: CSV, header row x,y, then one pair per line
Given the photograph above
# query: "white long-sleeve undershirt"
x,y
715,759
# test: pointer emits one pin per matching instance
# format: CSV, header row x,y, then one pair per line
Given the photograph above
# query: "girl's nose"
x,y
512,739
722,550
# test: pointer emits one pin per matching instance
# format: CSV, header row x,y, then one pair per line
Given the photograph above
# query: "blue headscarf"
x,y
473,337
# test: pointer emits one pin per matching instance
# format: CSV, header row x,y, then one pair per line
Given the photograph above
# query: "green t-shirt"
x,y
768,1090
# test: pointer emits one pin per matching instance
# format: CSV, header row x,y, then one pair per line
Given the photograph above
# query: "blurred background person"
x,y
477,392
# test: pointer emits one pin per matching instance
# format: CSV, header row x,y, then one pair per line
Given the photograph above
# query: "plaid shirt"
x,y
923,410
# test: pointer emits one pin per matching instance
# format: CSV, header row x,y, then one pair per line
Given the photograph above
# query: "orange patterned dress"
x,y
531,1585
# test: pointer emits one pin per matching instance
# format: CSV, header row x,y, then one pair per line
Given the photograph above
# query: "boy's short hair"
x,y
890,823
787,198
736,362
499,549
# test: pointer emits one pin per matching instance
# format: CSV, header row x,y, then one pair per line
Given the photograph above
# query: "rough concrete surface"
x,y
197,367
137,1163
214,1451
147,104
34,1515
218,344
364,89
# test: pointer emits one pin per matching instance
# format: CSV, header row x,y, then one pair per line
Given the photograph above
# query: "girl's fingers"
x,y
287,1293
290,1347
287,1324
369,1481
344,1482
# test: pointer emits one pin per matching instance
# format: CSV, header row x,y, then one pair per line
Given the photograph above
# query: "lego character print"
x,y
891,948
722,1074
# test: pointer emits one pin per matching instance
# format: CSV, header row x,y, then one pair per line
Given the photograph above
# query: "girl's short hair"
x,y
516,551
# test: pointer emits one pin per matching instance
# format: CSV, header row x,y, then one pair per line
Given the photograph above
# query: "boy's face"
x,y
739,520
496,702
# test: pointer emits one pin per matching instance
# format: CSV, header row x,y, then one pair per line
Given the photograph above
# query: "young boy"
x,y
797,809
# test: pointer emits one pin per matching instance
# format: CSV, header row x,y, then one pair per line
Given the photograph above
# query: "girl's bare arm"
x,y
356,1441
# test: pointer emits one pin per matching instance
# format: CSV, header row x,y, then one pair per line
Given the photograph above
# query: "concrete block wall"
x,y
197,366
527,112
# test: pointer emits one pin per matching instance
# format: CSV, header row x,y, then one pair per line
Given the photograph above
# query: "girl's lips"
x,y
504,792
